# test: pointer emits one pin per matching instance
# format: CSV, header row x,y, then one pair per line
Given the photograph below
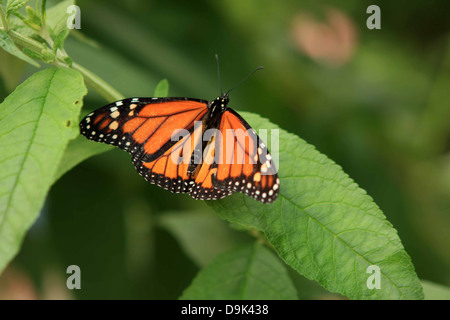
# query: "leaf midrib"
x,y
16,181
340,239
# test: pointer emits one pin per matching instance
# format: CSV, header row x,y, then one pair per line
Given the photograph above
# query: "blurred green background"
x,y
377,102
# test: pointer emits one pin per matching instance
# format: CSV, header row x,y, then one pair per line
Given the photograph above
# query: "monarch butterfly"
x,y
207,169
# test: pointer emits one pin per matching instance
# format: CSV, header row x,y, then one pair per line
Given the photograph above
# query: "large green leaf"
x,y
249,272
36,123
324,226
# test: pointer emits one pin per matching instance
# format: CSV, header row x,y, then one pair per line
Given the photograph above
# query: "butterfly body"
x,y
182,145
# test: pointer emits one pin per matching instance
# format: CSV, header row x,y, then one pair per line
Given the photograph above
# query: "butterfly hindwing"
x,y
169,171
204,188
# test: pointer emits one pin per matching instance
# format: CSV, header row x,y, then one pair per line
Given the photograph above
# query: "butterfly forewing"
x,y
245,163
143,126
169,171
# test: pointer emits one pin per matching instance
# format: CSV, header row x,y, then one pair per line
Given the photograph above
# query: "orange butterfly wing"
x,y
170,171
203,187
143,126
245,164
236,160
233,161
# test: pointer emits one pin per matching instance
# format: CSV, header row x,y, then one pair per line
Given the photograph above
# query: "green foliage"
x,y
59,39
162,89
32,16
192,228
38,36
36,123
323,226
249,272
14,5
57,19
81,149
434,291
77,151
8,45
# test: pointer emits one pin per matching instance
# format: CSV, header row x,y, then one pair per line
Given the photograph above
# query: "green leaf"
x,y
32,16
17,26
47,55
14,5
33,54
191,229
434,291
36,123
44,13
57,17
59,39
24,29
324,226
8,45
162,89
249,272
77,151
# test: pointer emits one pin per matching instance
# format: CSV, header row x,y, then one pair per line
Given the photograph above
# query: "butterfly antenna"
x,y
218,74
243,80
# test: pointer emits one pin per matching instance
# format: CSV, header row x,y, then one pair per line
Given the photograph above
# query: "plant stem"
x,y
98,84
91,79
24,41
44,16
3,17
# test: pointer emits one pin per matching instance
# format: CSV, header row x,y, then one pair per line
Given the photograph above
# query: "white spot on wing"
x,y
115,114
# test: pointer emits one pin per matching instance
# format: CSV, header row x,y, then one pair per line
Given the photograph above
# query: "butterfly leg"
x,y
196,159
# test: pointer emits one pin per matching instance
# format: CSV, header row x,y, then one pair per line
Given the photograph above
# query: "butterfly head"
x,y
223,99
220,103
